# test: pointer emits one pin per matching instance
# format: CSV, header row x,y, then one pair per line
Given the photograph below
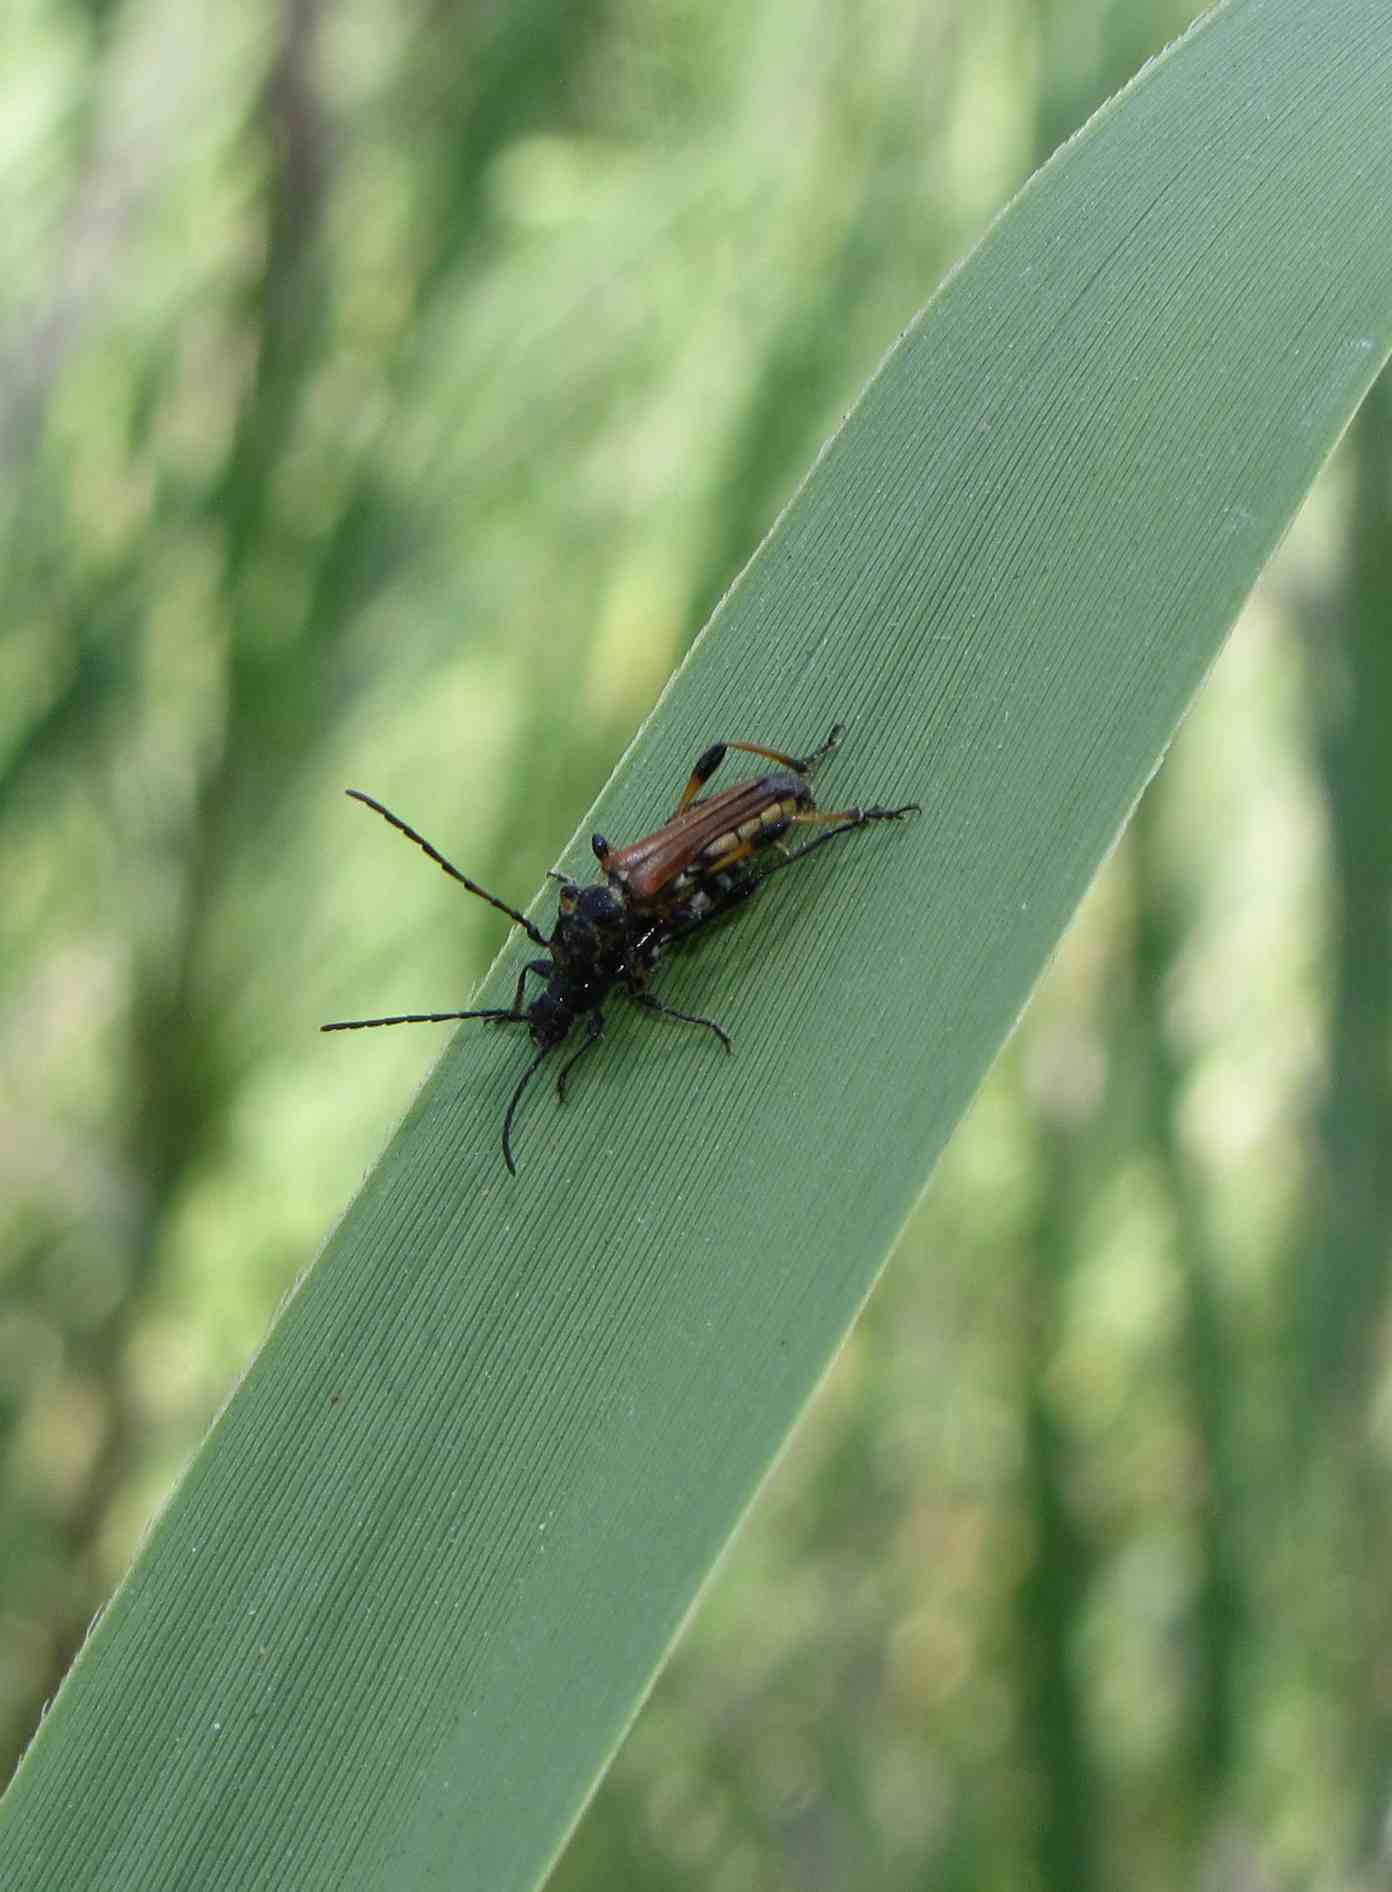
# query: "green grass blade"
x,y
410,1593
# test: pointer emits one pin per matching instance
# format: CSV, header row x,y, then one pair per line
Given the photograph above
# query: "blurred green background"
x,y
387,395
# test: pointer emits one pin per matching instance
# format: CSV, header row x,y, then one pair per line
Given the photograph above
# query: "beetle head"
x,y
549,1018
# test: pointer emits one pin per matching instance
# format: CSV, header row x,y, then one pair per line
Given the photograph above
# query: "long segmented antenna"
x,y
454,874
419,1018
522,1084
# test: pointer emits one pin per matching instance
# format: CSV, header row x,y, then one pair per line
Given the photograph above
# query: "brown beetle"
x,y
703,863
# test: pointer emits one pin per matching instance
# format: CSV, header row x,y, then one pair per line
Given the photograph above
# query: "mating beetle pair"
x,y
704,862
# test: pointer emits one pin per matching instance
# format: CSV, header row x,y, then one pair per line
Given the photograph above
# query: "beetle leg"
x,y
849,818
596,1032
541,967
833,741
650,1004
852,817
710,760
805,765
741,851
707,763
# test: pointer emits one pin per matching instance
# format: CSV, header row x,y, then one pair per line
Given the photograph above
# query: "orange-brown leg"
x,y
853,817
710,760
740,852
707,763
849,820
